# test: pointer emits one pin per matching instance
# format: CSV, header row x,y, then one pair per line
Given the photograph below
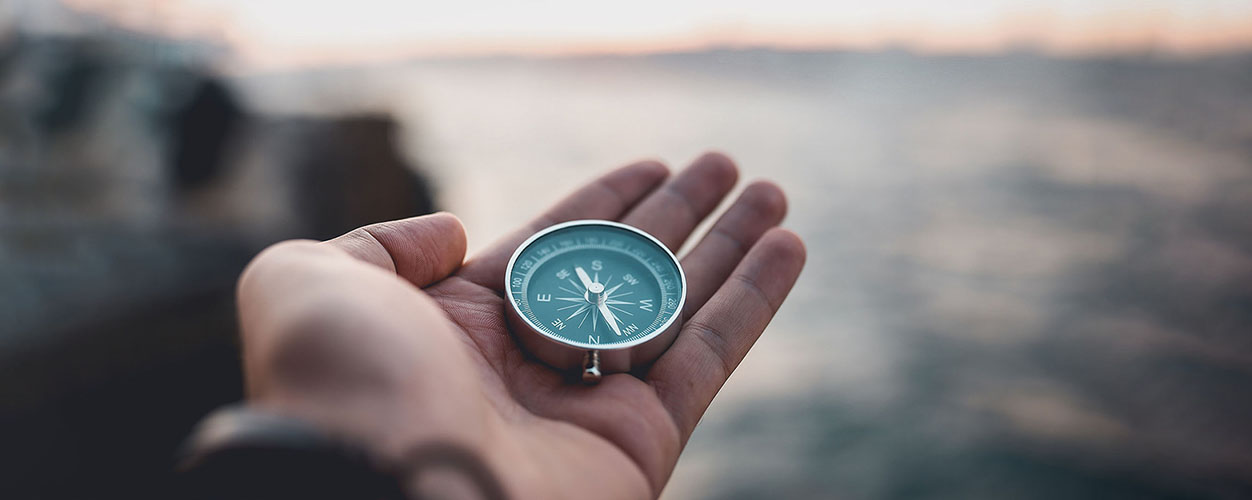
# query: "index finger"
x,y
422,249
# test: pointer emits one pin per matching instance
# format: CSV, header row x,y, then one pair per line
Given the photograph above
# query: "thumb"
x,y
422,250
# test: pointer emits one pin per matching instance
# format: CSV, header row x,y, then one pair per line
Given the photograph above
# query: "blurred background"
x,y
1029,224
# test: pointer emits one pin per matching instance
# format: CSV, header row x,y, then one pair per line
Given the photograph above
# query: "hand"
x,y
386,334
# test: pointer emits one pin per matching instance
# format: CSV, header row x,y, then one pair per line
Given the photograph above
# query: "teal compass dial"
x,y
595,285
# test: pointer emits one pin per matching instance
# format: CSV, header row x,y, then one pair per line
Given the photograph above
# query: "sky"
x,y
298,32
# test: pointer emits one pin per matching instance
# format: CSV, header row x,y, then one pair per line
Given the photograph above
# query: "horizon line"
x,y
901,48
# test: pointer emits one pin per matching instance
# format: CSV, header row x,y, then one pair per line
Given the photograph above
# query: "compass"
x,y
594,295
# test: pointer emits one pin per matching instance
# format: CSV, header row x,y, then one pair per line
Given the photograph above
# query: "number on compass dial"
x,y
596,285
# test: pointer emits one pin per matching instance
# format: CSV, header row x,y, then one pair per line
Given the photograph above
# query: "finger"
x,y
672,211
716,339
422,250
761,206
605,198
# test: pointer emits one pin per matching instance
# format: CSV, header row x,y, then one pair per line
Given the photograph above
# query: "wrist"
x,y
246,453
251,452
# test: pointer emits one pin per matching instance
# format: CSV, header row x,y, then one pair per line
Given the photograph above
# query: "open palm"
x,y
388,335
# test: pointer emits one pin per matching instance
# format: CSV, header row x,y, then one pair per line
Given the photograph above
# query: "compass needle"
x,y
582,275
609,317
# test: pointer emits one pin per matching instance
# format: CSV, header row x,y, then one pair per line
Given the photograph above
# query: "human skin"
x,y
387,335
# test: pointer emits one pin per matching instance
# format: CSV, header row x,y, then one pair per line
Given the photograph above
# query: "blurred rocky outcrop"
x,y
134,186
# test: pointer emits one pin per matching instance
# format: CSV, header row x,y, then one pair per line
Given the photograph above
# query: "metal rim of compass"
x,y
564,353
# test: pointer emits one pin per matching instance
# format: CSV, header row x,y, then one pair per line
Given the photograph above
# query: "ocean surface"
x,y
1028,277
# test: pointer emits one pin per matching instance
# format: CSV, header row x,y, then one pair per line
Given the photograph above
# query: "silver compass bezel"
x,y
565,353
